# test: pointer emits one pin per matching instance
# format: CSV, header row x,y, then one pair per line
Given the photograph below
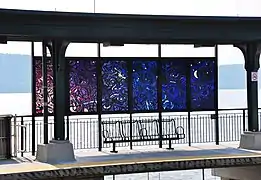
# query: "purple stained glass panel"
x,y
83,86
39,85
114,86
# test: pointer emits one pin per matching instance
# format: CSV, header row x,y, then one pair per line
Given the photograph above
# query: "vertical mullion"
x,y
130,98
45,91
99,96
188,97
33,98
159,93
216,96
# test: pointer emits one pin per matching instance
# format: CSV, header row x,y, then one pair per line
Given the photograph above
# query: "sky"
x,y
227,54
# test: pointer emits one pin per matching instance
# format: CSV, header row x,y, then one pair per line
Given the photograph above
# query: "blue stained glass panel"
x,y
83,86
203,85
144,86
114,86
174,85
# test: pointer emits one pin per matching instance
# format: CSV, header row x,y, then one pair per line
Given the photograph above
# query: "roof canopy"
x,y
28,25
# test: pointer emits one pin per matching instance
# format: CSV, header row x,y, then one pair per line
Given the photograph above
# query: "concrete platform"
x,y
93,163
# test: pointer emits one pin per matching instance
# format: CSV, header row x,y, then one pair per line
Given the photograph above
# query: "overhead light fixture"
x,y
3,40
108,44
204,45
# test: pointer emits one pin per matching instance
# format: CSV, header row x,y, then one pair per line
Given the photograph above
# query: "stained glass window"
x,y
39,85
83,86
114,86
203,85
174,85
144,85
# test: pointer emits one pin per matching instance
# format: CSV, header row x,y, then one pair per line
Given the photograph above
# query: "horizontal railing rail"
x,y
83,131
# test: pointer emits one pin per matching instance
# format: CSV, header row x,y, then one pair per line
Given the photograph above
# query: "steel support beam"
x,y
251,52
58,55
24,25
45,91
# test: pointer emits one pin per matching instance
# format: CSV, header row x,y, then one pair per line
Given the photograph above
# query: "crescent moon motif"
x,y
196,74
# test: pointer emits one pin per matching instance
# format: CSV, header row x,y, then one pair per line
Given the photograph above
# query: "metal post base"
x,y
250,140
55,152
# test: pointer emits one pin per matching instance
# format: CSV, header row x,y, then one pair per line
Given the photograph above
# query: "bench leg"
x,y
114,148
170,148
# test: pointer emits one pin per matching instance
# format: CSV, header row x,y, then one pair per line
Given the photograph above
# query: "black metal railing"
x,y
83,131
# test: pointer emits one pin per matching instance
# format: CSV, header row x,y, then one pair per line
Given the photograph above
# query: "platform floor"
x,y
93,158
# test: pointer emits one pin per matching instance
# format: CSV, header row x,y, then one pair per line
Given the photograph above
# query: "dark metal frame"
x,y
193,59
99,60
216,97
34,84
33,97
129,60
96,59
45,91
24,25
96,28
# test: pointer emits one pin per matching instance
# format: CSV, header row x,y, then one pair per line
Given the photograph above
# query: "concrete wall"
x,y
238,173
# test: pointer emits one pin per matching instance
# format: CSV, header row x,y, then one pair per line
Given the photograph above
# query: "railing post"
x,y
244,120
189,129
131,144
217,128
33,135
67,128
22,135
15,136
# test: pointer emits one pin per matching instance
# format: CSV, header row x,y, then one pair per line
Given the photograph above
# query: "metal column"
x,y
251,52
252,66
45,92
58,55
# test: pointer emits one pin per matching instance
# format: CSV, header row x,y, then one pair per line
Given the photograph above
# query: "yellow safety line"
x,y
27,168
154,160
45,167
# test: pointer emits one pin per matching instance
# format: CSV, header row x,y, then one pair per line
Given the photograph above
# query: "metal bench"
x,y
142,130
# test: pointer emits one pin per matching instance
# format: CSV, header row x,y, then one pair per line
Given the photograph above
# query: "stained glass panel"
x,y
114,86
144,85
83,86
174,85
203,84
39,85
